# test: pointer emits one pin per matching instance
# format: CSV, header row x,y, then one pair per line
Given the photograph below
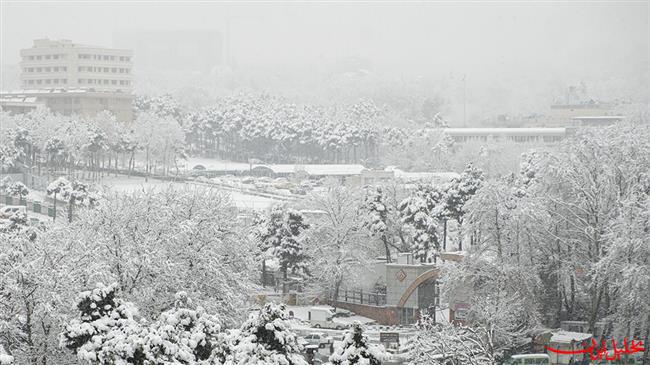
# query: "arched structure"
x,y
431,274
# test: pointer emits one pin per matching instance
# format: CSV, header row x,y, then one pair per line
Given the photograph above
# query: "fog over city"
x,y
324,182
514,54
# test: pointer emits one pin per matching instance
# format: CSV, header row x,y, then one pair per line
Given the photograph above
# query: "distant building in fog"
x,y
562,115
526,135
178,50
70,78
63,64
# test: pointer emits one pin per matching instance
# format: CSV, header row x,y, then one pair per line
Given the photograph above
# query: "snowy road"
x,y
240,199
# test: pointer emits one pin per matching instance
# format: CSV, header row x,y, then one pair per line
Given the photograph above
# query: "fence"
x,y
33,206
358,296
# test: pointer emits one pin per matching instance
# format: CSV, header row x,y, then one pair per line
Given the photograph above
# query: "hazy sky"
x,y
488,41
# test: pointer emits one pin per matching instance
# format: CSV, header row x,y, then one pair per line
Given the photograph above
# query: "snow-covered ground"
x,y
241,200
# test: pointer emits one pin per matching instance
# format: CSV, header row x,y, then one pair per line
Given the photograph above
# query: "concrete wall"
x,y
396,287
384,315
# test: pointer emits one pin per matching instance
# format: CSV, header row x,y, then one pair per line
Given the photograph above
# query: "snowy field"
x,y
241,200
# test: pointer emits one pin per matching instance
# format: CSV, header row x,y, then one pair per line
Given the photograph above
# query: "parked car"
x,y
532,359
324,318
9,210
315,338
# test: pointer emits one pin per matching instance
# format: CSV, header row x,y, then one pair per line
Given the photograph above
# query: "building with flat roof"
x,y
82,102
63,64
528,135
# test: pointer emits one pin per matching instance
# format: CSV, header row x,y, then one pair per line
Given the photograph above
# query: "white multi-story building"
x,y
65,65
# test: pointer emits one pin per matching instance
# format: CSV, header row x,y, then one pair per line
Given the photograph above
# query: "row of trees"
x,y
149,243
41,140
564,239
107,332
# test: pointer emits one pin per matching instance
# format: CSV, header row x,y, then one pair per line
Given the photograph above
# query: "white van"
x,y
9,210
529,359
323,318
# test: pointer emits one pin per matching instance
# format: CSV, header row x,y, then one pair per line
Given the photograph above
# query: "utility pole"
x,y
464,101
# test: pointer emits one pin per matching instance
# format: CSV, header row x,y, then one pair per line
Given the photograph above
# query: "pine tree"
x,y
423,211
356,350
280,234
460,191
266,338
377,220
105,332
184,334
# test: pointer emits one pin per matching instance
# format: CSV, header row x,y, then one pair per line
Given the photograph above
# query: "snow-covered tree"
x,y
5,358
459,192
339,247
75,193
105,332
377,216
184,334
192,230
355,349
423,211
281,235
448,344
16,188
266,338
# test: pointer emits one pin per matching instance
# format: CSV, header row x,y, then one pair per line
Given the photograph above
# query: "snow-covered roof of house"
x,y
599,117
568,337
416,176
505,131
315,170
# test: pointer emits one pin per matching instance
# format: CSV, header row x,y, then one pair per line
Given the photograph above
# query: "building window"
x,y
106,58
64,68
38,82
114,82
56,81
80,81
48,81
31,58
55,56
127,70
105,69
105,82
114,70
64,81
47,57
39,57
30,82
112,58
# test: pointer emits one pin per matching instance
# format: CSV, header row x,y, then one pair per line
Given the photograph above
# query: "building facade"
x,y
63,64
81,102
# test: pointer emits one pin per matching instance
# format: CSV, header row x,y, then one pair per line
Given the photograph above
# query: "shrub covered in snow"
x,y
5,358
185,334
447,344
106,332
356,350
266,338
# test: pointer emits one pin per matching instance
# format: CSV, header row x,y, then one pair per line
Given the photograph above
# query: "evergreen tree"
x,y
105,333
266,338
460,191
184,334
356,350
423,211
377,220
280,234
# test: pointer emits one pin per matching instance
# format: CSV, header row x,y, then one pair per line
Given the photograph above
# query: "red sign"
x,y
602,353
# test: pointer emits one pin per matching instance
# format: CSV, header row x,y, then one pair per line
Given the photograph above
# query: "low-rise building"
x,y
81,102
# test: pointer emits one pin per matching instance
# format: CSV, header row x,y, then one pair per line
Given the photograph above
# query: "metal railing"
x,y
358,296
